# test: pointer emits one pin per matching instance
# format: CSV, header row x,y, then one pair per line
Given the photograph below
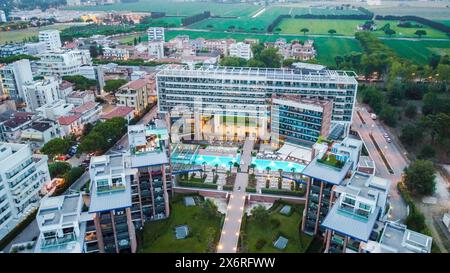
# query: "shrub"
x,y
275,223
260,244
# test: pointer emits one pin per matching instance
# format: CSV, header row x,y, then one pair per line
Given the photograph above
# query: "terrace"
x,y
331,160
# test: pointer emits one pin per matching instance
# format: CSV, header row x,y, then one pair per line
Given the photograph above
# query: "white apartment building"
x,y
21,177
3,17
156,34
241,50
116,53
41,92
51,38
88,71
156,49
63,63
13,77
36,48
63,225
55,110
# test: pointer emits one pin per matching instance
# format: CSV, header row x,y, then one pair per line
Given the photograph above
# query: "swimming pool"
x,y
212,160
275,165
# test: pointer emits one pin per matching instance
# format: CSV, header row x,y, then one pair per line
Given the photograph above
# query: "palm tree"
x,y
332,31
252,167
217,166
268,169
204,166
280,171
230,163
304,30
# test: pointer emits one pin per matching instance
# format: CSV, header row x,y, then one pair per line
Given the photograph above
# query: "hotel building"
x,y
63,63
213,92
13,78
299,121
51,38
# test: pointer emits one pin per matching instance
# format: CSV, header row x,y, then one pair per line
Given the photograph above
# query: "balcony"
x,y
58,241
110,188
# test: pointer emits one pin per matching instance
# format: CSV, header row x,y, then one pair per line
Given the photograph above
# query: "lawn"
x,y
289,227
349,27
204,233
176,7
418,51
19,35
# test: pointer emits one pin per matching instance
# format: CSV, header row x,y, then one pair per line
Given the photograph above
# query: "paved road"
x,y
231,227
393,154
32,230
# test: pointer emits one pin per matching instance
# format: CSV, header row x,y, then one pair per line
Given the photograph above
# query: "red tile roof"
x,y
67,120
136,84
119,111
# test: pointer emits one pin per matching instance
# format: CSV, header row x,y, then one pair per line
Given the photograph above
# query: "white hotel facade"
x,y
211,93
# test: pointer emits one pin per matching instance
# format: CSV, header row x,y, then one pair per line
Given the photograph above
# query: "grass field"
x,y
159,236
348,28
418,51
289,228
19,35
177,7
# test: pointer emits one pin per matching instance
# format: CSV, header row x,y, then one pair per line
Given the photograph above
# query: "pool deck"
x,y
231,228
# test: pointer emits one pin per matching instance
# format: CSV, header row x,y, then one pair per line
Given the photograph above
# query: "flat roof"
x,y
349,224
325,172
59,209
403,240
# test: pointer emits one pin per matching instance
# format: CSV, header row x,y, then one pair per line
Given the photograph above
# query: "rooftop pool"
x,y
210,160
275,165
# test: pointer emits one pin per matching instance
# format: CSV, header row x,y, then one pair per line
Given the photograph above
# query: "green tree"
x,y
71,176
270,57
209,208
58,168
304,30
410,111
420,33
260,214
56,146
388,114
288,62
332,31
411,135
389,32
255,63
427,152
233,61
81,83
420,177
113,85
396,93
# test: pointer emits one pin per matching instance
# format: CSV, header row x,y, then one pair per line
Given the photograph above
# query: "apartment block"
x,y
134,94
241,50
332,163
156,34
51,38
63,63
9,50
36,48
13,78
297,120
64,226
111,178
21,177
116,53
41,92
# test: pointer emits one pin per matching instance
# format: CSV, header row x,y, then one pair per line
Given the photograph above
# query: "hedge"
x,y
227,187
249,189
282,192
196,185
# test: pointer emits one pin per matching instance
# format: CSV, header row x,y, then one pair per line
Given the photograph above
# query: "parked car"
x,y
386,135
388,140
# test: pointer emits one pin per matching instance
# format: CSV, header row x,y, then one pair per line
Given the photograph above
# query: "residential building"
x,y
89,112
8,50
332,163
397,238
3,17
241,50
64,226
295,50
13,123
358,209
156,34
40,132
156,49
119,111
78,98
63,63
134,94
55,110
21,177
71,124
13,78
298,120
111,203
41,92
65,88
213,92
117,53
88,71
51,38
149,155
36,48
221,45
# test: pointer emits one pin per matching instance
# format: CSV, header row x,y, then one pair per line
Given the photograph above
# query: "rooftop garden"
x,y
260,230
203,220
331,160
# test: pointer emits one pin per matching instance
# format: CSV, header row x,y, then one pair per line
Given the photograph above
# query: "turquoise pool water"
x,y
212,160
275,165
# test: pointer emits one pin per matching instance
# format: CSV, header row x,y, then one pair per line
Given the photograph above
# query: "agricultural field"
x,y
349,27
428,9
19,35
177,8
418,51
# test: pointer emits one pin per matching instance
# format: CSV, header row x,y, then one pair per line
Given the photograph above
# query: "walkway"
x,y
232,226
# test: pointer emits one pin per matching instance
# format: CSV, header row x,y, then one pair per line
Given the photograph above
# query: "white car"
x,y
386,135
388,140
